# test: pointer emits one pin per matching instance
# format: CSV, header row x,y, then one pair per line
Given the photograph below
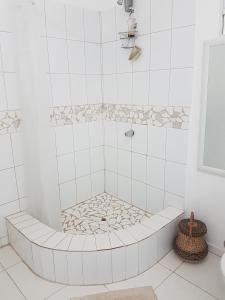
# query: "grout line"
x,y
14,282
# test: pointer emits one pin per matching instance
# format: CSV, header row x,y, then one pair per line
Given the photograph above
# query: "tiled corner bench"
x,y
92,259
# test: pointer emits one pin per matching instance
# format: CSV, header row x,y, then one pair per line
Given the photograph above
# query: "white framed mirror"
x,y
212,135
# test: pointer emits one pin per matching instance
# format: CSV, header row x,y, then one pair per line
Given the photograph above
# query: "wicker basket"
x,y
190,244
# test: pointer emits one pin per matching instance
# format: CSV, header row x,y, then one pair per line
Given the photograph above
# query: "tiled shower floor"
x,y
101,214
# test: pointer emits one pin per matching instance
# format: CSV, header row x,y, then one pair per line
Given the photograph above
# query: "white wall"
x,y
148,170
205,192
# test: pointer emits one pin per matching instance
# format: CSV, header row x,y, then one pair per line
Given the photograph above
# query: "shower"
x,y
128,5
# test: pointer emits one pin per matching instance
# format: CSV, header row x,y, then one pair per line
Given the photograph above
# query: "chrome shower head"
x,y
120,2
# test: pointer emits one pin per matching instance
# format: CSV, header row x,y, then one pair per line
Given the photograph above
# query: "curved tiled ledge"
x,y
92,259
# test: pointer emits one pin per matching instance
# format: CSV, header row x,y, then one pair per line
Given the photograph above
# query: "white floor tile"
x,y
77,291
8,290
206,275
8,257
171,261
1,268
176,288
32,286
152,277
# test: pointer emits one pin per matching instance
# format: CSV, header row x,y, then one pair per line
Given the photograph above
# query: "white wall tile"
x,y
7,13
124,88
75,268
81,136
82,159
183,12
155,200
6,157
119,264
124,163
60,90
97,159
174,201
94,89
109,58
66,167
161,13
142,14
17,145
110,91
181,87
12,91
7,42
3,102
111,183
67,194
55,19
123,141
21,181
74,22
47,264
57,55
92,26
176,147
155,172
157,141
61,267
104,266
139,167
124,188
7,179
175,178
160,50
131,261
108,25
76,57
111,159
159,87
98,184
83,189
183,47
93,62
64,139
139,140
96,134
139,194
90,267
7,209
78,89
140,88
110,133
147,253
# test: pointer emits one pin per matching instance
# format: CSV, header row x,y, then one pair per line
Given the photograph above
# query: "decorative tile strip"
x,y
10,121
160,116
66,115
171,116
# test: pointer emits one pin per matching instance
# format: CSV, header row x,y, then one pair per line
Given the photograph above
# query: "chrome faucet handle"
x,y
129,133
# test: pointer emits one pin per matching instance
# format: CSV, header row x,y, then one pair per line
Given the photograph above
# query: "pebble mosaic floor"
x,y
101,214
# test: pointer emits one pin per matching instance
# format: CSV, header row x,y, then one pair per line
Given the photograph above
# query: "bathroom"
x,y
107,143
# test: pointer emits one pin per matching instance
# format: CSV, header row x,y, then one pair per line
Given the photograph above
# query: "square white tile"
x,y
160,50
177,145
159,87
157,142
140,88
139,167
183,12
175,178
182,47
155,172
124,163
76,57
57,55
66,168
6,157
64,139
92,26
161,13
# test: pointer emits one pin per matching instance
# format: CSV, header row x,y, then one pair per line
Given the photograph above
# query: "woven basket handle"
x,y
191,224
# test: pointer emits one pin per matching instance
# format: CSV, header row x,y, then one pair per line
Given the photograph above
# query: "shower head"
x,y
120,2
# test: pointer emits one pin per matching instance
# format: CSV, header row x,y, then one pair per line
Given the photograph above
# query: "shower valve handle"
x,y
129,133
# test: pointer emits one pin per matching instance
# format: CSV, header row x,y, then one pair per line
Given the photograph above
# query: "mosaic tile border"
x,y
159,116
10,121
67,115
